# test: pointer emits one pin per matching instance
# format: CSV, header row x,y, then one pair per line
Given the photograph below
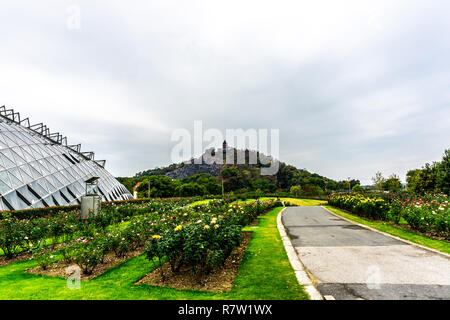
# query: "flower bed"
x,y
427,216
19,235
430,214
186,235
373,208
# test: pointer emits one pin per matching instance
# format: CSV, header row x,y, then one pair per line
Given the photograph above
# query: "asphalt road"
x,y
350,262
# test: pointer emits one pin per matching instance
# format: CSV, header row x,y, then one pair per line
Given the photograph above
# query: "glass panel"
x,y
26,177
7,158
17,158
38,189
15,182
51,187
12,199
58,198
36,174
49,201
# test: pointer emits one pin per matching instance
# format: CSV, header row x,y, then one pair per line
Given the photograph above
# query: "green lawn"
x,y
265,273
293,201
387,227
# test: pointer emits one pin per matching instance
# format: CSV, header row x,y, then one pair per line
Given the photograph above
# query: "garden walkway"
x,y
351,262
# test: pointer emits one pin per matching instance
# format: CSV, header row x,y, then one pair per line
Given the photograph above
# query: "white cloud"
x,y
364,81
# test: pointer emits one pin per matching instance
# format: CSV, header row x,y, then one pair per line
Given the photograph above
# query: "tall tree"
x,y
378,180
443,173
413,181
392,184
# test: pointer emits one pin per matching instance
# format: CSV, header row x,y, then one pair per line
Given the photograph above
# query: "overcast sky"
x,y
353,86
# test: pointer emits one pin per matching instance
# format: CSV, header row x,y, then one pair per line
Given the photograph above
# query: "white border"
x,y
303,277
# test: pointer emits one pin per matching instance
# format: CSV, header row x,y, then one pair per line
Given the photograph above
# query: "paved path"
x,y
351,262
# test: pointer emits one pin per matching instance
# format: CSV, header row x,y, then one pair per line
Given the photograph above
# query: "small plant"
x,y
44,257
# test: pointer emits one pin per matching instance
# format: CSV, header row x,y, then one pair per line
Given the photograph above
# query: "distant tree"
x,y
129,183
191,189
160,187
205,179
413,181
357,188
263,185
311,190
392,184
443,173
354,182
428,178
295,191
332,185
378,180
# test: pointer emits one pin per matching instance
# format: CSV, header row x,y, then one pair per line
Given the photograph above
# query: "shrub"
x,y
374,208
87,255
44,256
12,235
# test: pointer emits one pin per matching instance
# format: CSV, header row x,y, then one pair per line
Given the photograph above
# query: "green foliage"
x,y
203,239
443,173
433,177
357,188
191,189
413,181
378,180
277,282
392,184
44,256
87,254
374,208
295,191
430,214
160,187
12,235
311,190
208,181
263,185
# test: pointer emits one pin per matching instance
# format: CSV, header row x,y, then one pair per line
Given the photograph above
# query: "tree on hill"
x,y
295,191
191,189
211,183
160,187
263,185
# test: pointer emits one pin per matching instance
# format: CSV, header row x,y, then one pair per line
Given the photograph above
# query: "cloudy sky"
x,y
354,86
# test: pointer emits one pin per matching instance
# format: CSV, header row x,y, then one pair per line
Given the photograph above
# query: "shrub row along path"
x,y
350,262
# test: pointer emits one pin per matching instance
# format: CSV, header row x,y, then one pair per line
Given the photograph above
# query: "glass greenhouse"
x,y
39,169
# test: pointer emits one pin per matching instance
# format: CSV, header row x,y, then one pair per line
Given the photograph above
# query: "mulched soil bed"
x,y
58,269
431,235
4,261
21,256
220,280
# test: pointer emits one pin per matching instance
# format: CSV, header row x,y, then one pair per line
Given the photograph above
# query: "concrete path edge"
x,y
301,274
387,234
